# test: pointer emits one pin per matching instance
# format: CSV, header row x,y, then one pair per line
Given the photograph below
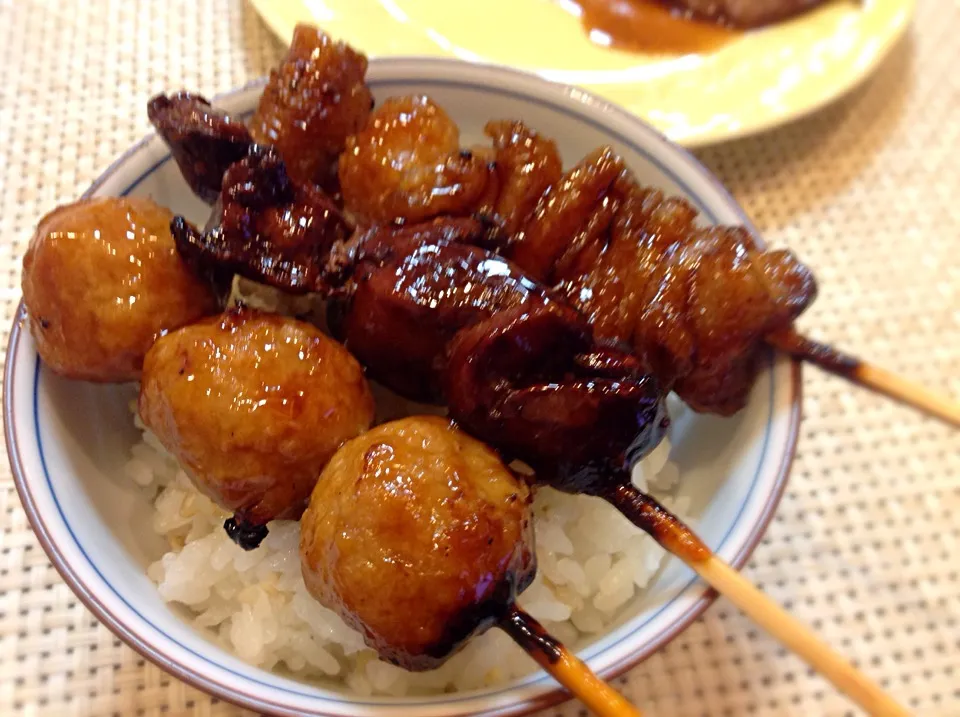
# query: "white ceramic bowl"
x,y
68,441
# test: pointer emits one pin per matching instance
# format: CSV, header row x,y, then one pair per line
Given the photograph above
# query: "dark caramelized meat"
x,y
695,302
563,213
527,165
457,324
402,312
407,164
204,141
312,103
253,406
373,245
532,383
419,537
270,229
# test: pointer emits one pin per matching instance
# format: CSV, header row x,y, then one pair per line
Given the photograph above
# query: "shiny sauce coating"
x,y
102,280
418,536
407,164
313,101
403,314
267,227
253,405
649,26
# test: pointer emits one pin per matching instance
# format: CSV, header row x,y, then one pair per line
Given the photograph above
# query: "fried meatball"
x,y
312,103
102,280
418,536
253,405
407,164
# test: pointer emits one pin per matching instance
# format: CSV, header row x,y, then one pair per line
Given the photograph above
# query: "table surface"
x,y
862,547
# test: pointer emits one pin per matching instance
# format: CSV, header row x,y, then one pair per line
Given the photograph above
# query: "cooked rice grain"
x,y
592,563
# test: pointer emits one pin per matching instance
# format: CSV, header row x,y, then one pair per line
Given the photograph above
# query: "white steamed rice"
x,y
591,563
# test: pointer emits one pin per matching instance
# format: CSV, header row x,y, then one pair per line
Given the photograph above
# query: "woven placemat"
x,y
864,546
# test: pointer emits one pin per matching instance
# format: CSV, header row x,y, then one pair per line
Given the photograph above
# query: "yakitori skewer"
x,y
630,257
420,537
864,374
599,418
679,540
696,305
565,667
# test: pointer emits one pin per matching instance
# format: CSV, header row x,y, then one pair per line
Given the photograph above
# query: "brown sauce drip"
x,y
651,27
655,520
530,635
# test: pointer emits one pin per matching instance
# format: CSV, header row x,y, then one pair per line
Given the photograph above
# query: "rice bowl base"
x,y
591,563
70,443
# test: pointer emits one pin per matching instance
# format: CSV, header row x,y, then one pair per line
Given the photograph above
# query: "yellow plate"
x,y
759,80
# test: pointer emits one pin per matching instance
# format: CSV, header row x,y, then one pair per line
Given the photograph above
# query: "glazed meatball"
x,y
102,280
407,164
418,536
253,405
314,100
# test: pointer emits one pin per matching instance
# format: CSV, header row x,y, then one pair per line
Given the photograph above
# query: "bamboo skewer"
x,y
676,538
566,668
867,375
796,636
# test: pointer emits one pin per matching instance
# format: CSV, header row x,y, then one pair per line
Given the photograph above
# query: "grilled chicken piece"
x,y
204,141
313,101
407,164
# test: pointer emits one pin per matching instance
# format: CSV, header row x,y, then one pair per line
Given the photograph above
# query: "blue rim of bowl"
x,y
555,695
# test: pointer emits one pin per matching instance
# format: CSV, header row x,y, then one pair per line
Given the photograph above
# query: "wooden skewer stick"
x,y
865,374
675,537
569,671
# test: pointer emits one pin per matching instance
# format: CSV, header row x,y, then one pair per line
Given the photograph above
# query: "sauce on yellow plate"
x,y
744,82
649,26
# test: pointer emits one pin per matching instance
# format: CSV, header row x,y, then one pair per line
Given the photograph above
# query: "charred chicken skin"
x,y
528,164
266,227
418,536
204,141
404,305
534,384
253,406
452,323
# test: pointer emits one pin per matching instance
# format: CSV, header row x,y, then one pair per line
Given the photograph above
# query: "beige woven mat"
x,y
864,546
